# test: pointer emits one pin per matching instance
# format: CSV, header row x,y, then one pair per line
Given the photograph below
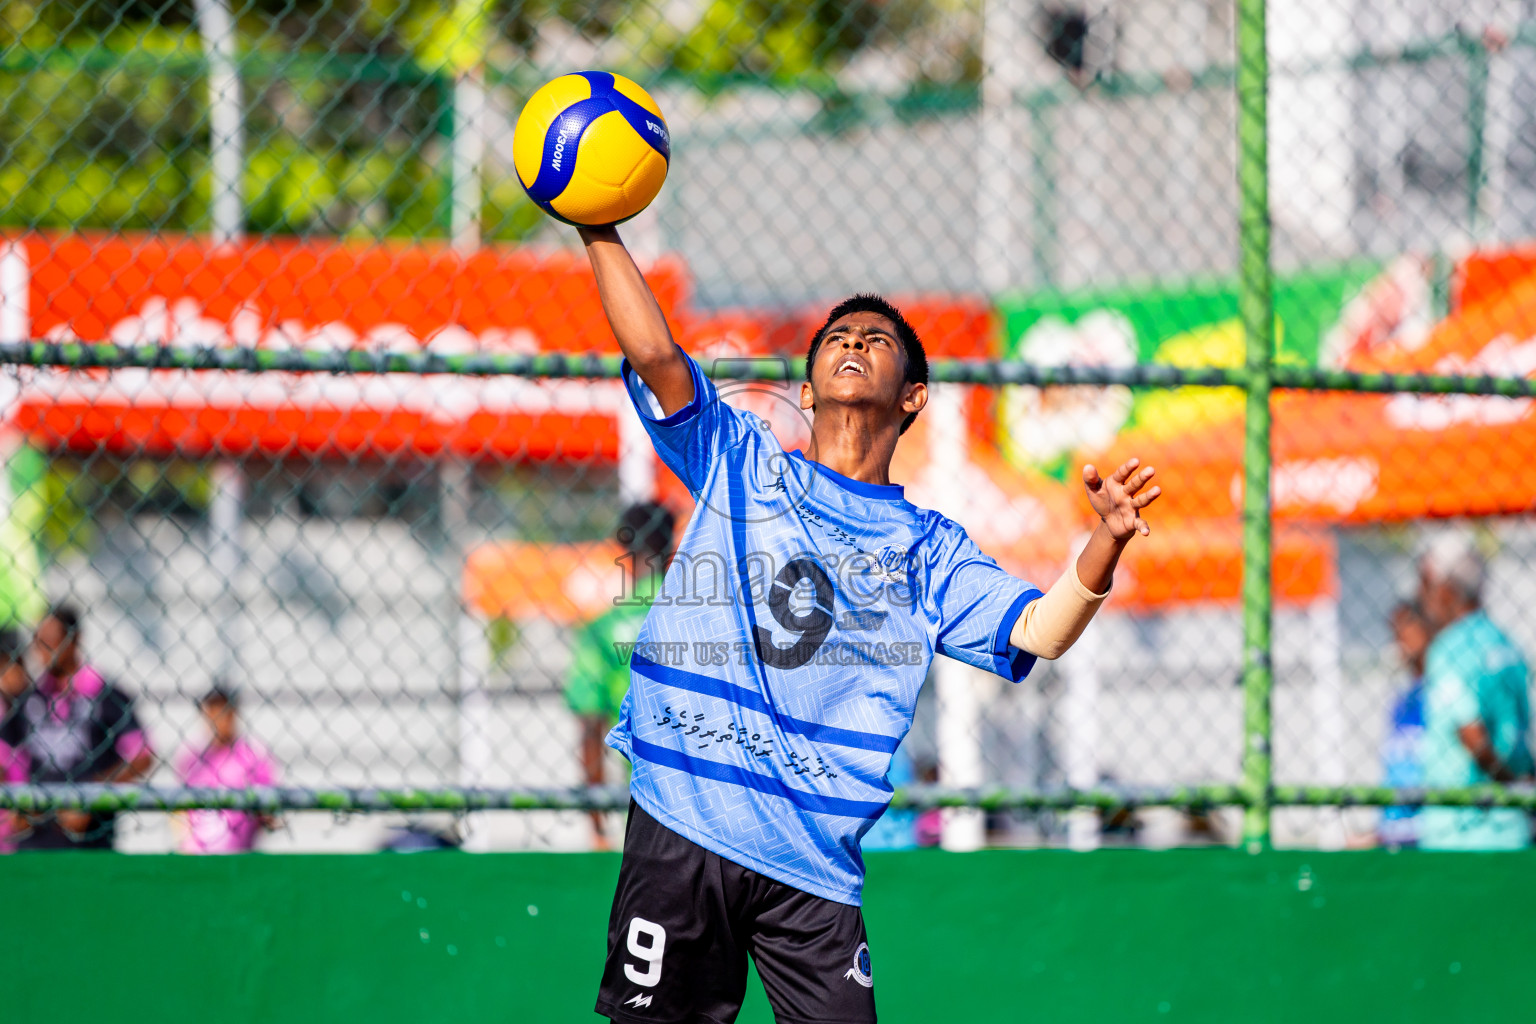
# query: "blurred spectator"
x,y
1401,754
13,762
228,761
1476,705
928,829
598,677
13,670
74,726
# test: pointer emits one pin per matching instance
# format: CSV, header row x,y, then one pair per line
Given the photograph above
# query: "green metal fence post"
x,y
1476,53
1257,306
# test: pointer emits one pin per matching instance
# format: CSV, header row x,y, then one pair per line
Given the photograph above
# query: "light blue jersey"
x,y
780,665
1473,673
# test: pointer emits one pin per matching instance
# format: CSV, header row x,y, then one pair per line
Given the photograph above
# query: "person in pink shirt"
x,y
229,761
14,764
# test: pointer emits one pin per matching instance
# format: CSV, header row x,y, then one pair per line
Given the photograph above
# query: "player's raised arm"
x,y
636,319
1050,625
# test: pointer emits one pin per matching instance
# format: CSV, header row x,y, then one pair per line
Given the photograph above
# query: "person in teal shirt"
x,y
598,676
1476,704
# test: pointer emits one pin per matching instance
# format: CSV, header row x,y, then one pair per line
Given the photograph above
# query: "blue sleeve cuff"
x,y
1009,661
639,393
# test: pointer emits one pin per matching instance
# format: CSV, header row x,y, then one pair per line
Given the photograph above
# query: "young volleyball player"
x,y
780,664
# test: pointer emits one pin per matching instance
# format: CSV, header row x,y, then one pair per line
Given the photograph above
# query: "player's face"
x,y
862,362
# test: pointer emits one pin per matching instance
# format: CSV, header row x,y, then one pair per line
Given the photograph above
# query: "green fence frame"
x,y
1256,307
1256,793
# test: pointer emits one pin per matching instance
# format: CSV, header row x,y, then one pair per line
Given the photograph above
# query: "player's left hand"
x,y
1120,499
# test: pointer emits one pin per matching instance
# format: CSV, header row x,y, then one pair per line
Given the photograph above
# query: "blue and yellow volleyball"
x,y
591,148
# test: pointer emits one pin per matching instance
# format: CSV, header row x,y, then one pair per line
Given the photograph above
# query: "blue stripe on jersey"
x,y
885,492
814,802
1011,662
695,683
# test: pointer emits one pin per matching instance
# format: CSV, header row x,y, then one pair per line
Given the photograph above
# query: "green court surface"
x,y
1200,935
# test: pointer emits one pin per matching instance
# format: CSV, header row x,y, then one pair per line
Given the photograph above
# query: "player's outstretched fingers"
x,y
1138,480
1119,475
1091,478
1146,498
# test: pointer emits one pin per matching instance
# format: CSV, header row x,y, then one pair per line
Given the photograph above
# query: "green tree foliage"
x,y
348,103
789,41
104,116
98,135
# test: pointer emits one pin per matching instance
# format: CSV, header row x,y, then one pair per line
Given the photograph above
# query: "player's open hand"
x,y
1120,499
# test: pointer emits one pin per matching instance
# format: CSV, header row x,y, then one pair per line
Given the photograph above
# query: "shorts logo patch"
x,y
859,972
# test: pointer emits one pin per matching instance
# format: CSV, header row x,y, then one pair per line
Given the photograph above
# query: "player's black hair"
x,y
868,302
1410,607
646,529
66,615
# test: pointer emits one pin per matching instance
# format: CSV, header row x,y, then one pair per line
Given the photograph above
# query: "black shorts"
x,y
684,921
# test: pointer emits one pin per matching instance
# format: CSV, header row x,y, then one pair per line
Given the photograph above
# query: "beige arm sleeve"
x,y
1052,623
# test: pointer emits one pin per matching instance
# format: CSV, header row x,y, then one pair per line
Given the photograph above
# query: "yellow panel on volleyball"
x,y
617,173
541,110
645,183
639,95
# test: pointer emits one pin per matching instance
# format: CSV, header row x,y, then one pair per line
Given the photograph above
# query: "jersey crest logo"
x,y
638,1001
860,972
891,564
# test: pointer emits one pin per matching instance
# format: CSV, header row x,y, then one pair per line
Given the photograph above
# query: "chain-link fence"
x,y
334,482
